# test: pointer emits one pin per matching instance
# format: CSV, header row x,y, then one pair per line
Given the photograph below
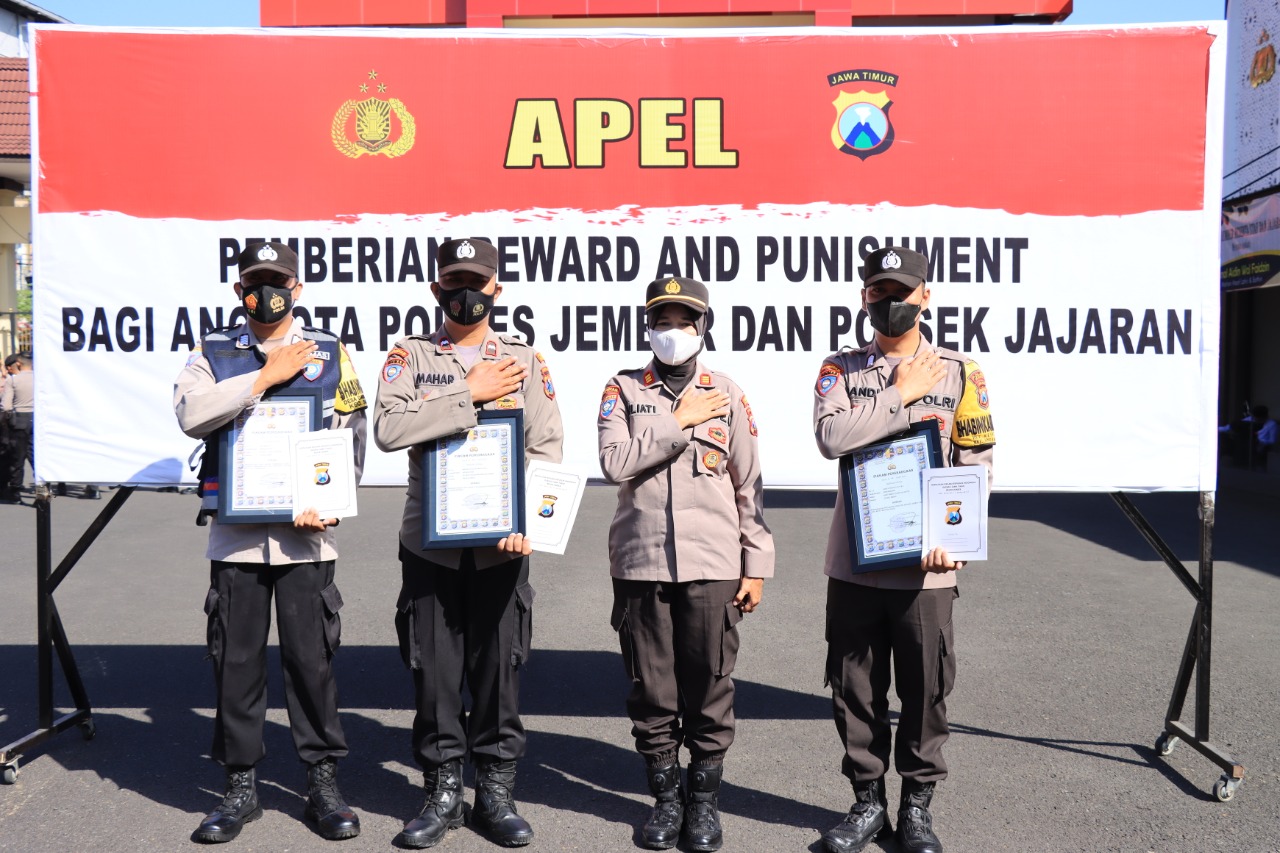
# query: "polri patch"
x,y
751,419
718,434
711,459
828,376
609,401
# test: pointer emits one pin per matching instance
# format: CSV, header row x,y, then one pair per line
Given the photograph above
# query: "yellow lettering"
x,y
595,122
657,131
537,133
708,135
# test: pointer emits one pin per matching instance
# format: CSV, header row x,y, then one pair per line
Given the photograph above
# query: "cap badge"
x,y
266,253
673,286
466,250
891,261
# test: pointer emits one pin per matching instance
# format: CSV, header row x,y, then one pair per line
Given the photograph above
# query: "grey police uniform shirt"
x,y
202,406
691,501
861,406
423,395
19,392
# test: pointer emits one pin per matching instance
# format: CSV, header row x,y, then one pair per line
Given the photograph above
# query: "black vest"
x,y
230,355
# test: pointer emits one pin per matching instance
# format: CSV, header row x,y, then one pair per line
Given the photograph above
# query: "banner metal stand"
x,y
1196,653
51,637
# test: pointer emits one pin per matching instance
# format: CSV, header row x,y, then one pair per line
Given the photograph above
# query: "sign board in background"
x,y
1067,197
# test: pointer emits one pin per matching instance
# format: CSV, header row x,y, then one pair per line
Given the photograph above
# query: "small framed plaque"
x,y
473,483
255,476
883,500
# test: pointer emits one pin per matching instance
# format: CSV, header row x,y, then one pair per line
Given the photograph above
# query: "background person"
x,y
464,615
18,403
233,370
863,396
688,551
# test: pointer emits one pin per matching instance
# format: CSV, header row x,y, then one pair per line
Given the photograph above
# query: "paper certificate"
x,y
554,493
883,504
323,471
256,475
955,511
473,483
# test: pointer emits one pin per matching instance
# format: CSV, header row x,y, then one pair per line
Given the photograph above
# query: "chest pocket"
x,y
711,444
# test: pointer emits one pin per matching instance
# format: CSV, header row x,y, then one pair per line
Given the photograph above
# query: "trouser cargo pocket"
x,y
215,632
332,600
729,640
620,621
946,663
522,642
407,631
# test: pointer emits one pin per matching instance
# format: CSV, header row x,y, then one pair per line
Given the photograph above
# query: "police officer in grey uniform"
x,y
904,615
233,370
464,614
688,551
18,403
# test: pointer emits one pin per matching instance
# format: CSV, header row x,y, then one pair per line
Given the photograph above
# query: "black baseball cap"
x,y
676,290
470,254
897,264
268,256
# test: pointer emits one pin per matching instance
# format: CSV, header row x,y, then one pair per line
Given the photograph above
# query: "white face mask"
x,y
673,346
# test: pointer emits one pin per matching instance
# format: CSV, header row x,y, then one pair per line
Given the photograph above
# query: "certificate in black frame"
x,y
230,508
875,555
460,533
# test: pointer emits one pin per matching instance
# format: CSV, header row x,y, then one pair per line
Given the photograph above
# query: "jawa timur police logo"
x,y
548,507
371,131
862,127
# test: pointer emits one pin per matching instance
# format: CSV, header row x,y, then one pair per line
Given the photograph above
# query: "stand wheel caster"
x,y
1165,743
1225,788
87,729
9,774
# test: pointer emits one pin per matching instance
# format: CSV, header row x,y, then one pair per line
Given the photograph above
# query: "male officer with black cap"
x,y
464,614
863,396
231,371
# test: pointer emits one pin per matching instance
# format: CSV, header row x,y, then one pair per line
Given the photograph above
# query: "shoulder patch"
x,y
973,426
828,376
609,402
196,353
547,387
350,397
397,362
751,419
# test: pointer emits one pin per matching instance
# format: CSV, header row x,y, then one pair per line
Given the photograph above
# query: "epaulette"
x,y
320,333
513,339
952,355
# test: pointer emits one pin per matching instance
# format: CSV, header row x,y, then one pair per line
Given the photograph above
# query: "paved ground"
x,y
1068,638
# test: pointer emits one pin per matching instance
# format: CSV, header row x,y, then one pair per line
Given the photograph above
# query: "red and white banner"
x,y
1063,181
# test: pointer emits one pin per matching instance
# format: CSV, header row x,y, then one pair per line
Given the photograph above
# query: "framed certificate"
x,y
473,483
255,469
883,501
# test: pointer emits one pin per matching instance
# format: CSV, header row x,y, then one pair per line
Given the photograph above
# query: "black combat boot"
x,y
444,810
238,807
868,819
702,809
662,830
494,813
915,824
325,810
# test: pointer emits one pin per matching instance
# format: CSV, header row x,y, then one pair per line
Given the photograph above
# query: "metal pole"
x,y
44,601
1206,615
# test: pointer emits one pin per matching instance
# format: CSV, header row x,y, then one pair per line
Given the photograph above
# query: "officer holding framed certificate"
x,y
465,613
234,373
864,396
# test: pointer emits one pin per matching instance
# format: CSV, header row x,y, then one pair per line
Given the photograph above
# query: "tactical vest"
x,y
230,356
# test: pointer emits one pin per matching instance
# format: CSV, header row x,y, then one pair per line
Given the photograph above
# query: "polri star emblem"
x,y
373,126
266,253
277,303
891,261
466,250
673,287
862,126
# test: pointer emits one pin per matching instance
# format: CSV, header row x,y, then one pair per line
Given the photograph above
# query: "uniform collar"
x,y
875,357
245,338
490,349
702,377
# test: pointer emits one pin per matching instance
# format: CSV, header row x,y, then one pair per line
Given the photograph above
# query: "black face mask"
x,y
267,303
892,318
465,306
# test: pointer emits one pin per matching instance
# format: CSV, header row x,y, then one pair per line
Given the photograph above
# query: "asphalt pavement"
x,y
1069,640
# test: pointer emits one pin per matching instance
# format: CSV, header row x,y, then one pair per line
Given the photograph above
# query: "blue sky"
x,y
244,13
